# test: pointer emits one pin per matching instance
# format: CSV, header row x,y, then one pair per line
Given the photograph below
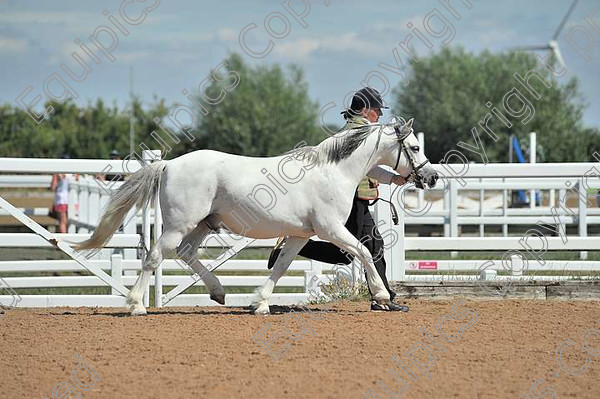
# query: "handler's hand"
x,y
399,180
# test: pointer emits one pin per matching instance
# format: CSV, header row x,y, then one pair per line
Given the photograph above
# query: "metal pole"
x,y
510,159
131,112
532,159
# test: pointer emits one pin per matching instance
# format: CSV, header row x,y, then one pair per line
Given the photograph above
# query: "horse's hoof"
x,y
138,312
260,310
218,298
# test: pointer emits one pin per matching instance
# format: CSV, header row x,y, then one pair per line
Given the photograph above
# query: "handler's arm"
x,y
385,177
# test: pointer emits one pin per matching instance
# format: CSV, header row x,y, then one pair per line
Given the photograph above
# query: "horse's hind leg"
x,y
167,242
260,303
188,250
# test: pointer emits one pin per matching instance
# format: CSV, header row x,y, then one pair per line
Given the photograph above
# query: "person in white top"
x,y
60,183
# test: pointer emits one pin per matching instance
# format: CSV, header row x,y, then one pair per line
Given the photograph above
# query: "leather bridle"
x,y
413,175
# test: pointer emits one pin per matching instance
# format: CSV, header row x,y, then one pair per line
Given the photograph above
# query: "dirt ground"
x,y
505,347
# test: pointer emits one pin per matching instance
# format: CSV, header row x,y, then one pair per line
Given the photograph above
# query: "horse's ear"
x,y
410,122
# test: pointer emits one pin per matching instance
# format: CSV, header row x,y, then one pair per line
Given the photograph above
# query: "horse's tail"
x,y
137,190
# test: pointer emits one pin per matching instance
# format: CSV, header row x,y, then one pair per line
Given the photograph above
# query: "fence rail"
x,y
456,208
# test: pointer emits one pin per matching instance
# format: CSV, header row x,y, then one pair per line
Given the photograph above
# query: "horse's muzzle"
x,y
426,177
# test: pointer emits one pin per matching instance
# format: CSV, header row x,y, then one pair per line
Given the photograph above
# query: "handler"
x,y
365,109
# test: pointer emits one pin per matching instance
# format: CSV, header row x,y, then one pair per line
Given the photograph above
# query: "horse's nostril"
x,y
433,180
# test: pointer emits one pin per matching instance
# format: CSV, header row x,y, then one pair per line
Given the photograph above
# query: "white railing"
x,y
451,212
91,197
125,271
455,210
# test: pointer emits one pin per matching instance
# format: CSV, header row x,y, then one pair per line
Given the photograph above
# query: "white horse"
x,y
203,190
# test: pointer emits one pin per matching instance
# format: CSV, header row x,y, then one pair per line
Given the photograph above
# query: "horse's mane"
x,y
335,148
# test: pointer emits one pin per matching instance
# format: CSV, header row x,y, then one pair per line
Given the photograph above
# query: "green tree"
x,y
447,96
268,113
90,131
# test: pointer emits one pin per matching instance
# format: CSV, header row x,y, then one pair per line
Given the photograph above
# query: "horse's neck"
x,y
364,158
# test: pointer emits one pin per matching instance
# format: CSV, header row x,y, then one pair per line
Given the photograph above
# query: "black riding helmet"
x,y
367,97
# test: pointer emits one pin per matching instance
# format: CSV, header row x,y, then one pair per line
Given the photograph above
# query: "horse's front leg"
x,y
341,237
260,303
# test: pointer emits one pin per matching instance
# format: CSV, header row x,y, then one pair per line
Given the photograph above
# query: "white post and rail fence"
x,y
482,202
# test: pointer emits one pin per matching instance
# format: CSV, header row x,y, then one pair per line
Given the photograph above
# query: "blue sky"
x,y
180,41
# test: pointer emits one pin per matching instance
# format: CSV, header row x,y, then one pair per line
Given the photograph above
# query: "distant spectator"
x,y
60,183
115,156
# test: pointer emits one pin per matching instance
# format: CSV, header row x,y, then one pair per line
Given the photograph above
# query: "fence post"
x,y
158,289
399,250
582,214
504,209
394,254
94,206
481,199
532,159
116,271
562,198
446,207
453,211
148,156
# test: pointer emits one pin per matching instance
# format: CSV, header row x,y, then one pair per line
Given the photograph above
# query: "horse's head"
x,y
410,160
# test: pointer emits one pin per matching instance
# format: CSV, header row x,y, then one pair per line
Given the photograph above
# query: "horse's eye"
x,y
415,148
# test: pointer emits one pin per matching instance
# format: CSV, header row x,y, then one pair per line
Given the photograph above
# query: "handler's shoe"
x,y
392,307
275,252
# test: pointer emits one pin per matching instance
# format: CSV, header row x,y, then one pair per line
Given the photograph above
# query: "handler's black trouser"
x,y
361,225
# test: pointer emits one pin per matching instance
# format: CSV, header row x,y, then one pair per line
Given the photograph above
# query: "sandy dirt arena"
x,y
210,353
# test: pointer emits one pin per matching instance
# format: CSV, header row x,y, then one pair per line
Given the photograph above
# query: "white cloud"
x,y
376,40
131,56
12,46
348,43
225,34
396,29
297,50
72,20
498,35
64,55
